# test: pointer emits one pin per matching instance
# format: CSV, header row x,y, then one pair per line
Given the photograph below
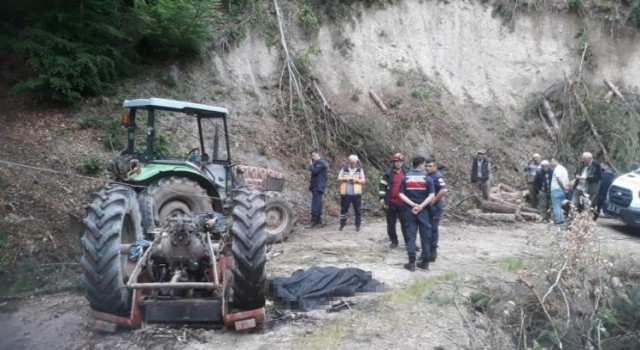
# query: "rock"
x,y
14,218
171,77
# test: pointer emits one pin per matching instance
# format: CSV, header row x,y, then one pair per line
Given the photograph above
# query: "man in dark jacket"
x,y
318,168
480,173
542,184
530,170
389,192
587,181
417,191
606,180
436,208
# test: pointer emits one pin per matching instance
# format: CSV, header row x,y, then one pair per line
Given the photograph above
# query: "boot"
x,y
424,264
411,265
393,244
313,223
434,254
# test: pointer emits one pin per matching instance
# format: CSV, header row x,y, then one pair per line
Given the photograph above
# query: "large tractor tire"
x,y
248,248
280,218
171,196
111,220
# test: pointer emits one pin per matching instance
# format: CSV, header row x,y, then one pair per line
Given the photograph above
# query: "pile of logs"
x,y
506,204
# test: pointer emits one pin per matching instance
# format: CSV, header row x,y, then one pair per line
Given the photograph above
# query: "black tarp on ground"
x,y
312,288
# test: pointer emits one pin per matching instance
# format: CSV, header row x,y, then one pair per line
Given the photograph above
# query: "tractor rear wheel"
x,y
171,196
248,248
111,220
280,218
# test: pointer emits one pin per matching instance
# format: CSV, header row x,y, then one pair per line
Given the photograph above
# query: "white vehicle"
x,y
623,199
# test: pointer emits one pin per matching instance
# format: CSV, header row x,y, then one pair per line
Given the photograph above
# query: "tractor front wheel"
x,y
280,218
171,196
248,248
111,220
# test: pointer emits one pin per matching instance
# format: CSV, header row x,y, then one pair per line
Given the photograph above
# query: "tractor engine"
x,y
184,251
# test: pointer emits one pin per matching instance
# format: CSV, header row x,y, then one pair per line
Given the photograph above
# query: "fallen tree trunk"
x,y
594,131
496,207
495,217
546,126
551,115
615,90
503,217
378,101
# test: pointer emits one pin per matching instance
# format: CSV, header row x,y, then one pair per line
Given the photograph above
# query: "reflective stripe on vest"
x,y
357,188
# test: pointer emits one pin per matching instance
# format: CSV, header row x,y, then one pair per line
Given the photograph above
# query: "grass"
x,y
517,264
393,308
30,276
420,290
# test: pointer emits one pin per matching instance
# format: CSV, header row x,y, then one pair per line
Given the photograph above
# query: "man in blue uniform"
x,y
436,208
417,192
317,186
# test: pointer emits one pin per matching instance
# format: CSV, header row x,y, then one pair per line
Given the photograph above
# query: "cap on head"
x,y
397,157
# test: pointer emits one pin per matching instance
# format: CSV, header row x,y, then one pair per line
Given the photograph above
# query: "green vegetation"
x,y
110,128
408,304
514,264
245,15
307,17
78,48
92,165
4,242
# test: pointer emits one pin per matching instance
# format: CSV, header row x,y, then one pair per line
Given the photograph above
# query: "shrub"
x,y
176,26
74,49
92,165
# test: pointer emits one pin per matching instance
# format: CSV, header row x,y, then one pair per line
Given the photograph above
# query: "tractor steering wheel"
x,y
194,155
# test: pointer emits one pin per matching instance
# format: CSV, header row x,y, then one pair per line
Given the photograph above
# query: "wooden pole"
x,y
615,90
378,101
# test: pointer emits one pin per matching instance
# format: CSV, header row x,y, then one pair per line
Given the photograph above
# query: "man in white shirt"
x,y
559,187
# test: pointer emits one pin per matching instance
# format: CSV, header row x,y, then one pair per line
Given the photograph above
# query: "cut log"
x,y
506,188
378,101
531,216
546,126
551,115
503,217
496,207
619,95
615,90
495,217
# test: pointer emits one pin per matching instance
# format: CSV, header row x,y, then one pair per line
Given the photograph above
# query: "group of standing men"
x,y
351,178
548,185
412,197
415,198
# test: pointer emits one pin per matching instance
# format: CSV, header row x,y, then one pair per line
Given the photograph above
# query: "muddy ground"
x,y
422,309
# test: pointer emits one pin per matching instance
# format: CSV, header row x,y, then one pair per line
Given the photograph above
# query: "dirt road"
x,y
424,309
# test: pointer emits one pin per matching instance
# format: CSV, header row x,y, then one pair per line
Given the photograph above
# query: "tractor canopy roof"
x,y
198,109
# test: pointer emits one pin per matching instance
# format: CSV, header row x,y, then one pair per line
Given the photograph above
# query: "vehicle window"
x,y
214,139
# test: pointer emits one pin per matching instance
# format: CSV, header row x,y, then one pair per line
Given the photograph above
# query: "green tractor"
x,y
181,238
199,181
